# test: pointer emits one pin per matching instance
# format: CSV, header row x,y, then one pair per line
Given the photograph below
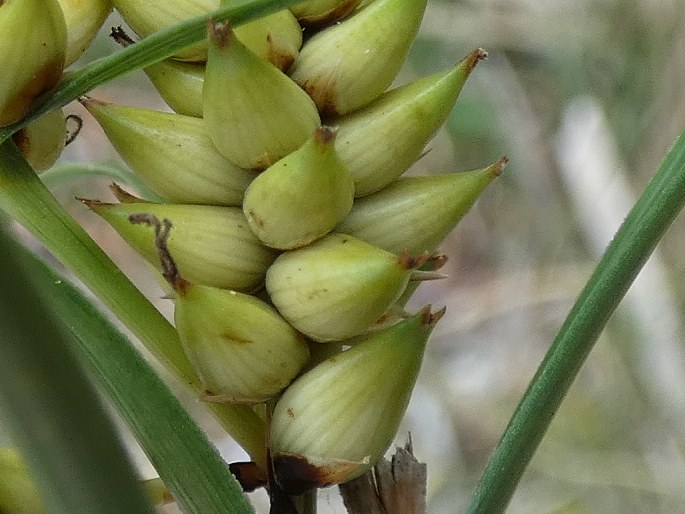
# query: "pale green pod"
x,y
18,492
415,214
172,154
83,18
337,420
302,197
319,13
41,142
242,350
211,245
179,84
382,140
336,287
255,114
350,64
33,42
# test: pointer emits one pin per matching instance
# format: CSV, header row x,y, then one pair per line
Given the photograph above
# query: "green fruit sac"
x,y
254,114
301,197
211,245
347,409
337,287
350,64
242,350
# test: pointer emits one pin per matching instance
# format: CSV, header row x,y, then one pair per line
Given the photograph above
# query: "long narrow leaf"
x,y
150,50
24,197
56,418
661,201
185,460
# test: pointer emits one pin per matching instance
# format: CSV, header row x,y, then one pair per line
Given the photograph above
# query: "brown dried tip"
x,y
120,37
325,135
123,196
408,262
296,475
87,101
435,261
497,167
162,229
429,318
220,33
249,475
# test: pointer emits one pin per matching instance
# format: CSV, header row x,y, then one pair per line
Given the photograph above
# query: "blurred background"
x,y
584,97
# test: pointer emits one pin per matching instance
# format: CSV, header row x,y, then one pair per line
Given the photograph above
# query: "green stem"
x,y
641,231
24,197
152,49
55,415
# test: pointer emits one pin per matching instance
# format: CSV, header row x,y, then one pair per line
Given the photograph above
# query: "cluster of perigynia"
x,y
286,222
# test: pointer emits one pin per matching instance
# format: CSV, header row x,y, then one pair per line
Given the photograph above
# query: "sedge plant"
x,y
273,209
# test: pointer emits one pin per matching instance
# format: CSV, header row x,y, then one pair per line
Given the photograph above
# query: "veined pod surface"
x,y
415,214
338,286
319,13
243,351
350,64
172,154
255,115
380,141
211,245
41,142
335,421
301,197
33,43
83,19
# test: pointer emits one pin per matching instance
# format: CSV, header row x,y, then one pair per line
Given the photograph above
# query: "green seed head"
x,y
255,115
348,65
320,13
172,154
42,141
380,141
336,420
211,245
337,287
416,213
33,42
301,197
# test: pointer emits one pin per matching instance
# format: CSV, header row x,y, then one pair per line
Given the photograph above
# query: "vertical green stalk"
x,y
646,223
56,419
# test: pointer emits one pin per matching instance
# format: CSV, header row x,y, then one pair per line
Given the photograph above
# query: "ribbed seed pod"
x,y
350,64
172,154
254,113
415,214
83,18
335,421
241,348
337,287
380,141
179,84
301,197
211,245
41,142
319,13
33,42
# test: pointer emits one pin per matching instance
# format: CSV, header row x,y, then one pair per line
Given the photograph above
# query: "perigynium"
x,y
285,221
